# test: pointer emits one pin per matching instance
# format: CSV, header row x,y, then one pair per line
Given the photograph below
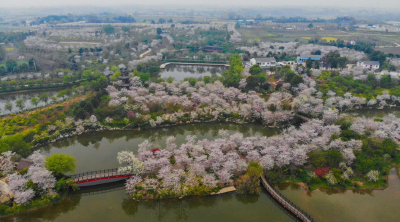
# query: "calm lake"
x,y
180,72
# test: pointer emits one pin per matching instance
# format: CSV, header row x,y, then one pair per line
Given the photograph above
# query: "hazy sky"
x,y
390,4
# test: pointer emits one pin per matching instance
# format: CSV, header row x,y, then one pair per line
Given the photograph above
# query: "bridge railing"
x,y
97,174
289,205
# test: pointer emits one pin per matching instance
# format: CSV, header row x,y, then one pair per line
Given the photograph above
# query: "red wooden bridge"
x,y
99,177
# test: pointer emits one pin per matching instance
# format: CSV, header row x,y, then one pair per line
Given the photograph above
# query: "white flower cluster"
x,y
38,174
373,175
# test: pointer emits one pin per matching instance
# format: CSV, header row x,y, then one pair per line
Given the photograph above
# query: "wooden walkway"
x,y
291,207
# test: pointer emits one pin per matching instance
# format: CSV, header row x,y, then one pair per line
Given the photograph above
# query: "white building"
x,y
368,64
263,62
284,63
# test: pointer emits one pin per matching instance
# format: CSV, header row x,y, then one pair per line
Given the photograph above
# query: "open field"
x,y
393,50
278,33
10,28
329,39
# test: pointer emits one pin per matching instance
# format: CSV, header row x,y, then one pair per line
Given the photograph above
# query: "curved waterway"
x,y
109,202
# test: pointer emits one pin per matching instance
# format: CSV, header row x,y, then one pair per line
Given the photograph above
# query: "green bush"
x,y
320,158
60,163
249,183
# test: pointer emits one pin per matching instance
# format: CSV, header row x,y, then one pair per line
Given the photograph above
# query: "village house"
x,y
372,65
284,63
263,62
304,57
24,163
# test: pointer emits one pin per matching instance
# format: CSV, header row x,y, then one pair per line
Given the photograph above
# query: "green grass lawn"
x,y
18,62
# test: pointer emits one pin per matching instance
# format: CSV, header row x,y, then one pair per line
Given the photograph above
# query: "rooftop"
x,y
373,63
24,163
108,73
267,59
311,56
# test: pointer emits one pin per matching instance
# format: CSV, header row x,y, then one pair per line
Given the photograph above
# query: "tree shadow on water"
x,y
247,198
130,206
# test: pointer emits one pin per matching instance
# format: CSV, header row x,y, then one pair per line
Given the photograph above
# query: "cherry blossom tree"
x,y
37,174
6,164
131,184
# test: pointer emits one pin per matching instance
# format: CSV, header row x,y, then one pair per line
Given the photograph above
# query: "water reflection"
x,y
50,213
94,204
247,199
369,113
179,72
349,205
26,96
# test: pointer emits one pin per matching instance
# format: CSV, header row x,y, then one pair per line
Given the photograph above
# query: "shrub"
x,y
249,183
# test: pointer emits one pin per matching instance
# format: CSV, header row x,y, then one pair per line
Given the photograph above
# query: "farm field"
x,y
277,33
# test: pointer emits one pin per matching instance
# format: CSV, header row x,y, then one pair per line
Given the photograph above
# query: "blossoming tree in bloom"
x,y
130,162
6,165
373,175
36,174
211,101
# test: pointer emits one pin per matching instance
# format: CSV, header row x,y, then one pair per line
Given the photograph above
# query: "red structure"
x,y
322,171
100,177
155,150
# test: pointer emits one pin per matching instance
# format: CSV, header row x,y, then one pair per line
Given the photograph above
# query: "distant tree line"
x,y
14,36
52,19
297,19
104,18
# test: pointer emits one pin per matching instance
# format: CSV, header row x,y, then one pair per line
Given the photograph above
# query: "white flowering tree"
x,y
6,164
130,163
36,174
